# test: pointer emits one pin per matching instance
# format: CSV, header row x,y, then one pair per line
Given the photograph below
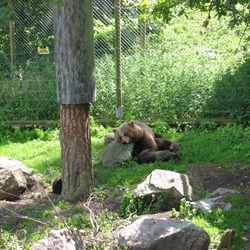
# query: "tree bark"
x,y
77,175
75,73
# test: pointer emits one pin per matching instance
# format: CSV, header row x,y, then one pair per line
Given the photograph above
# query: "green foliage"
x,y
186,72
79,221
18,135
40,150
222,145
131,205
220,220
6,12
217,221
30,101
237,10
160,127
8,240
104,38
186,210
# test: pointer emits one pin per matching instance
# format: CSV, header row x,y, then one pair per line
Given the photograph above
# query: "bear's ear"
x,y
131,123
114,130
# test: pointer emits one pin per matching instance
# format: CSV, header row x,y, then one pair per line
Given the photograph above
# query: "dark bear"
x,y
164,144
57,185
150,156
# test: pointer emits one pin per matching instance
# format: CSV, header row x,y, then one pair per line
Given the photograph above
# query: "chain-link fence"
x,y
151,85
27,80
27,64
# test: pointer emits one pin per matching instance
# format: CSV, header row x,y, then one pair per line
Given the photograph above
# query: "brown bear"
x,y
138,133
150,156
164,144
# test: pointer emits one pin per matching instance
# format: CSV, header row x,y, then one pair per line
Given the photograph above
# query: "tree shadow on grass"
x,y
230,97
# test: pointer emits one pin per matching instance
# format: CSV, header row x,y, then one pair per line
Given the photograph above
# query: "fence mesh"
x,y
27,70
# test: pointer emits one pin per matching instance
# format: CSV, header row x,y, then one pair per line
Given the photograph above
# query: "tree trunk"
x,y
77,173
75,90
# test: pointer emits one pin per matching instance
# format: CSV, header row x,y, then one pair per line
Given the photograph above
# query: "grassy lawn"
x,y
206,144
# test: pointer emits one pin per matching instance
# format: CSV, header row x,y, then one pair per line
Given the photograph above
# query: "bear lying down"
x,y
148,147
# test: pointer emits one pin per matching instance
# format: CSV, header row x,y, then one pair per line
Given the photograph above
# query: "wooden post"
x,y
75,90
143,33
119,108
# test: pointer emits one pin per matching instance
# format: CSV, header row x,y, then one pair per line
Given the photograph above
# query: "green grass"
x,y
42,156
40,150
219,220
230,143
130,173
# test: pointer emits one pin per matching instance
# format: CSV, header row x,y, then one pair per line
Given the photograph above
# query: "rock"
x,y
215,199
227,239
13,164
170,185
61,239
12,184
115,153
33,180
150,232
109,138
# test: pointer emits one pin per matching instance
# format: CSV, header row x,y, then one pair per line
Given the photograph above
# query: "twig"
x,y
10,194
24,217
93,221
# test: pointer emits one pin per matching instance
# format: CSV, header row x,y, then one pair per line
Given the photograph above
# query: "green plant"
x,y
131,205
187,211
224,144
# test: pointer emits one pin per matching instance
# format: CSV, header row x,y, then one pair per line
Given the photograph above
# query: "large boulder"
x,y
171,186
12,184
13,164
115,153
151,232
61,239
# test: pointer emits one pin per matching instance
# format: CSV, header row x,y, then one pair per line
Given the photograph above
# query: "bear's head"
x,y
128,132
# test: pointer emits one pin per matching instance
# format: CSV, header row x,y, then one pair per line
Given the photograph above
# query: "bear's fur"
x,y
57,185
150,156
138,133
163,144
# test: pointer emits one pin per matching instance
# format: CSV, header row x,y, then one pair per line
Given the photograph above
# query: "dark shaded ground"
x,y
233,176
212,176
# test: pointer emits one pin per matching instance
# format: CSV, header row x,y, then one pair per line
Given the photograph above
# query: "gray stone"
x,y
215,199
61,239
13,164
12,184
115,153
152,233
169,185
109,138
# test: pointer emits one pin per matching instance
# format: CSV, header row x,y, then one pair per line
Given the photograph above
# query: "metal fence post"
x,y
12,40
119,111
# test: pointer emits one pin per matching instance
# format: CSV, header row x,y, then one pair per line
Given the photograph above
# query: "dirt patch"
x,y
212,176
